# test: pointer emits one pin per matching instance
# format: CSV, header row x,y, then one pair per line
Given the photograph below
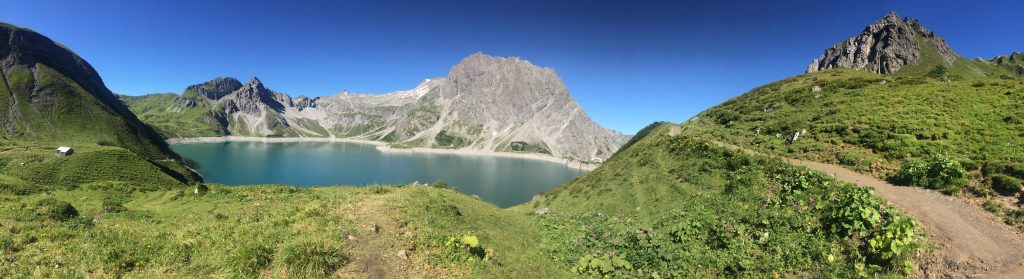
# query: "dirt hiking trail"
x,y
971,242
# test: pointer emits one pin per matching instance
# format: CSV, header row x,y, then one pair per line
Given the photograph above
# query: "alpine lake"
x,y
504,181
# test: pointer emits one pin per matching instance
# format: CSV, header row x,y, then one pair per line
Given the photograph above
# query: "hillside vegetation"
x,y
49,94
935,131
676,205
172,120
666,206
50,97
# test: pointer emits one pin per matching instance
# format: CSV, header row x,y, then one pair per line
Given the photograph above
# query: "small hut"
x,y
65,151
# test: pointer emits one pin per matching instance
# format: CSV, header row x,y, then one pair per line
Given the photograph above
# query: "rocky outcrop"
x,y
216,88
485,103
1014,62
884,47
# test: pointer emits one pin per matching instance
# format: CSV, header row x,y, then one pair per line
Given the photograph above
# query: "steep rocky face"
x,y
884,47
485,103
216,88
535,113
49,93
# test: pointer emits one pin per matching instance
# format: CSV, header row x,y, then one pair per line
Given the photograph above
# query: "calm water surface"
x,y
500,180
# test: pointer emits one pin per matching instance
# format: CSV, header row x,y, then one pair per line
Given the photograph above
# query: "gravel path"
x,y
971,243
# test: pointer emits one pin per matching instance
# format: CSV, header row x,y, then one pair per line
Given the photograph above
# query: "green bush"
x,y
312,259
940,173
1005,184
111,206
439,184
54,209
378,189
202,189
970,165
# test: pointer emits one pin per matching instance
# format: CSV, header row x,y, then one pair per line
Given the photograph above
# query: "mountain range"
x,y
485,103
724,194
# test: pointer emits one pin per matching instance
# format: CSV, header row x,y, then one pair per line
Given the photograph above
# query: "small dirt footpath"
x,y
970,242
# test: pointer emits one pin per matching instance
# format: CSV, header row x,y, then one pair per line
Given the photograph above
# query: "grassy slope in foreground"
x,y
875,124
267,231
676,205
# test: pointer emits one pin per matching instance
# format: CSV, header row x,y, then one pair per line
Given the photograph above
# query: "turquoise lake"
x,y
503,181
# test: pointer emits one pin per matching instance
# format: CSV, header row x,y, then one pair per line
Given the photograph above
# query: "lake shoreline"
x,y
383,147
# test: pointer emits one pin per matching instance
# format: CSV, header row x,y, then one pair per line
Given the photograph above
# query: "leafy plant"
x,y
464,248
942,173
603,265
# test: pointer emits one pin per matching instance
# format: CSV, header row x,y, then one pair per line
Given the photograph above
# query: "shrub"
x,y
1011,169
378,189
56,209
202,189
312,259
439,184
890,237
940,172
1005,184
110,206
7,244
970,165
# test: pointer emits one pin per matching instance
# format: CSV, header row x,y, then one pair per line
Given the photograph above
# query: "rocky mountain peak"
x,y
884,47
256,83
216,88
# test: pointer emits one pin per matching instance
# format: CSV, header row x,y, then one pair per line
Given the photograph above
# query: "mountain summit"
x,y
485,103
885,46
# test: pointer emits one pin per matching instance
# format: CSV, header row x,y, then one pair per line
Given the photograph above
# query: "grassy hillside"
x,y
667,206
930,131
931,63
50,97
266,231
676,205
34,167
51,94
173,120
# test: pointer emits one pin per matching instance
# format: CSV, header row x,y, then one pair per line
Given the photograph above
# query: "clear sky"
x,y
628,63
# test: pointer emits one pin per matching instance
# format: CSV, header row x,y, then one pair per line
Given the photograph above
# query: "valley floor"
x,y
385,147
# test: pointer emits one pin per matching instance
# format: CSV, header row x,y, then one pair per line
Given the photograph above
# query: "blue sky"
x,y
628,63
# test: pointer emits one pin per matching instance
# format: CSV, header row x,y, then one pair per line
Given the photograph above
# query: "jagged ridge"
x,y
884,47
486,103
